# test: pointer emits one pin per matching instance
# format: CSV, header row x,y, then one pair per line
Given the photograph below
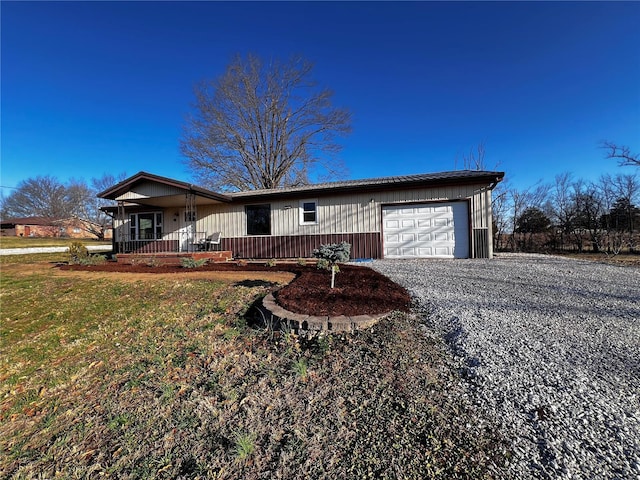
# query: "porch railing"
x,y
170,242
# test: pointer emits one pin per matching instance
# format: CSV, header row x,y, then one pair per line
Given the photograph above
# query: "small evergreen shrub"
x,y
188,262
271,262
77,253
93,260
330,254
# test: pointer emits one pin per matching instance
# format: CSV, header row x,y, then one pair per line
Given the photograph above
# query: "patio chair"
x,y
212,240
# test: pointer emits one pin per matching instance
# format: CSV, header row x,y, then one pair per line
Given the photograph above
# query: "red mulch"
x,y
358,291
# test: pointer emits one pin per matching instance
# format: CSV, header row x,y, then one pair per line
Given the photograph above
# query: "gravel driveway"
x,y
552,351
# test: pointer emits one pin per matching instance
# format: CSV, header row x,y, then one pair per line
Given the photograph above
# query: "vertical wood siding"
x,y
150,189
354,217
363,245
354,213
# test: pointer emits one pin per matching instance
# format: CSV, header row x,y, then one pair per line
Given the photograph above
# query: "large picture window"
x,y
145,226
258,219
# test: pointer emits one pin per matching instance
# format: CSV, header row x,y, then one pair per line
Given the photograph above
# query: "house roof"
x,y
30,221
44,221
457,177
120,188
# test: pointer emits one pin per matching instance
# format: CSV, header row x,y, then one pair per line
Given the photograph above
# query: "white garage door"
x,y
438,230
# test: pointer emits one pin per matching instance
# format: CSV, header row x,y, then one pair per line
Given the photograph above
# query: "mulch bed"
x,y
358,290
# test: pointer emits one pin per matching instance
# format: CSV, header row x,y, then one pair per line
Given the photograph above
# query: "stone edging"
x,y
323,323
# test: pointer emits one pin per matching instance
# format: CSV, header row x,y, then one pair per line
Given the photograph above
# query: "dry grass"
x,y
626,260
164,379
27,242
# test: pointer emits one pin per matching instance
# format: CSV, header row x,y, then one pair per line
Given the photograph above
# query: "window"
x,y
145,226
308,212
258,219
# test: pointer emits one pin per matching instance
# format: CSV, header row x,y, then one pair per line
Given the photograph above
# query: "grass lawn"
x,y
163,378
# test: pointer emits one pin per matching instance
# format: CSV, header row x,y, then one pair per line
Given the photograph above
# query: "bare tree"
x,y
475,159
48,197
622,154
620,194
589,208
520,201
500,212
263,126
42,196
100,221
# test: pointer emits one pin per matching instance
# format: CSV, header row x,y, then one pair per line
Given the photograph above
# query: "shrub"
x,y
77,253
93,260
330,254
271,262
153,262
188,262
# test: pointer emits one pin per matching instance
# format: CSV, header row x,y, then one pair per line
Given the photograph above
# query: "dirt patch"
x,y
358,291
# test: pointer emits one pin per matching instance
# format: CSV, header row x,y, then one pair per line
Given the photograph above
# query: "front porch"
x,y
171,258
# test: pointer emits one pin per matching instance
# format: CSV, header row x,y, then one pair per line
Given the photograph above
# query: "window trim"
x,y
134,225
301,205
252,232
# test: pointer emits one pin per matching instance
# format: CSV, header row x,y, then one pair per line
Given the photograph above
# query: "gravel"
x,y
550,349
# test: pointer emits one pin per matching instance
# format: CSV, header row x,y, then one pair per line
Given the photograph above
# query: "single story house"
x,y
440,215
52,227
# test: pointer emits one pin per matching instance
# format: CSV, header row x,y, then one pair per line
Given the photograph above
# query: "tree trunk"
x,y
333,275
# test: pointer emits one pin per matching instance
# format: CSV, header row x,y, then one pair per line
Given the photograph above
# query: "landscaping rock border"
x,y
324,323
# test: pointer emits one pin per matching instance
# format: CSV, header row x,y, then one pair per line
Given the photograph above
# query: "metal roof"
x,y
118,189
459,177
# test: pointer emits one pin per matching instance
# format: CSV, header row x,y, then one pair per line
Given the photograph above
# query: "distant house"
x,y
53,228
437,215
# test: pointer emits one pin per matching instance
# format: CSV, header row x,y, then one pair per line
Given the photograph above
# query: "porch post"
x,y
120,233
190,220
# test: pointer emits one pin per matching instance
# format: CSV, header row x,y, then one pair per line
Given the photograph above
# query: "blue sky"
x,y
95,87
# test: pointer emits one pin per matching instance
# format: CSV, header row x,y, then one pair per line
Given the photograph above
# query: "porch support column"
x,y
190,220
120,231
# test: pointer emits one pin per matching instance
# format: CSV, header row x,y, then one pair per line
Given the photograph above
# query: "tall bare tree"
x,y
622,154
46,196
263,126
41,196
475,159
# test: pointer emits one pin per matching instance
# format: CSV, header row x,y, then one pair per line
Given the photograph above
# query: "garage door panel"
x,y
441,237
409,223
392,238
391,224
426,230
425,252
407,238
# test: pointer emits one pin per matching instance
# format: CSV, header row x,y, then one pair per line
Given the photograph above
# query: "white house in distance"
x,y
432,215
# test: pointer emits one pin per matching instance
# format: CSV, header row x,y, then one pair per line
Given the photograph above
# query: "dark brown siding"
x,y
146,246
363,245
